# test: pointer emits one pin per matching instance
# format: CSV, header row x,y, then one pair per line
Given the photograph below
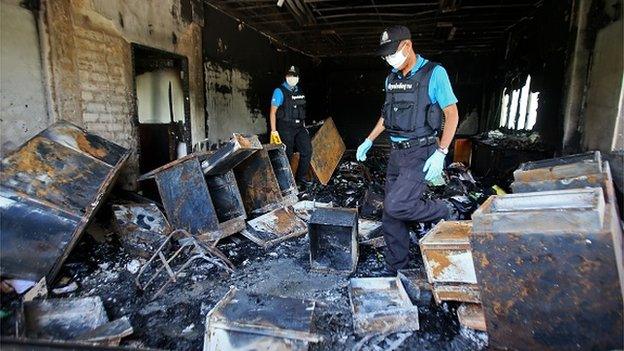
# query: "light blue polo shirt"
x,y
440,90
278,97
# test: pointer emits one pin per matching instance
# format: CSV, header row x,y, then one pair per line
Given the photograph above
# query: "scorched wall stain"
x,y
227,91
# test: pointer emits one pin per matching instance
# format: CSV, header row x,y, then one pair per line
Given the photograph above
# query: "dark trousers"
x,y
403,203
297,138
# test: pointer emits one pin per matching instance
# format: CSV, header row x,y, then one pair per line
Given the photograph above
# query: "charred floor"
x,y
145,203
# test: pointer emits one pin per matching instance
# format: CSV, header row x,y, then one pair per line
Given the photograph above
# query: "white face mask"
x,y
292,81
397,59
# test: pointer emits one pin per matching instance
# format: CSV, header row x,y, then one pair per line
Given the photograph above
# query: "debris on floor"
x,y
242,321
141,227
274,227
77,319
381,305
184,250
228,265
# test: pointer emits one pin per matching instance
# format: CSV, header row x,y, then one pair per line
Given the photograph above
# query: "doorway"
x,y
162,109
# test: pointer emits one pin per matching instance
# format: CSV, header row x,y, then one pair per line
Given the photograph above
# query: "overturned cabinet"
x,y
49,189
242,321
547,265
199,191
333,236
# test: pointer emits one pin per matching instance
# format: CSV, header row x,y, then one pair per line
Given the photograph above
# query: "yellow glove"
x,y
275,138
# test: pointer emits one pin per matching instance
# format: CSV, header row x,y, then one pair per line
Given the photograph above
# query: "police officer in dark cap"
x,y
287,117
418,98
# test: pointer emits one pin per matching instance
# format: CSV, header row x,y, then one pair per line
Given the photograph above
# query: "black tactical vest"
x,y
408,111
293,106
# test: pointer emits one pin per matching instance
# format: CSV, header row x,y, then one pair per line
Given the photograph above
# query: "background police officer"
x,y
287,117
418,92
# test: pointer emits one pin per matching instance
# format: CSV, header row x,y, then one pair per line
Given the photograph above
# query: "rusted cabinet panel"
x,y
456,292
327,150
258,185
49,189
283,173
549,281
186,199
471,315
560,168
446,253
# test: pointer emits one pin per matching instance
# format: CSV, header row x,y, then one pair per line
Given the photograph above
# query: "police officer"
x,y
418,96
287,117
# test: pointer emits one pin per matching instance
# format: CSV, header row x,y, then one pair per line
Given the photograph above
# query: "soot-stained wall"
x,y
242,68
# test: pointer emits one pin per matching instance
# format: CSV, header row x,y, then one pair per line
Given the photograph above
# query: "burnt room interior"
x,y
144,204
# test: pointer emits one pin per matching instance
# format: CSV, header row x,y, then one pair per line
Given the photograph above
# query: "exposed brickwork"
x,y
105,73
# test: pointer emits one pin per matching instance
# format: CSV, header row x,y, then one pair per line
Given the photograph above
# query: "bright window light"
x,y
504,107
519,109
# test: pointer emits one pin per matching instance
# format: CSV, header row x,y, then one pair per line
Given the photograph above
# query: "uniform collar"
x,y
293,89
420,61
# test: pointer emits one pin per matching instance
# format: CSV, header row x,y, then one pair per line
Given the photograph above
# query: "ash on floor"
x,y
175,319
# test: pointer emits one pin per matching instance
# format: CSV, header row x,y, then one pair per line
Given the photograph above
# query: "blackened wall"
x,y
537,47
242,68
354,88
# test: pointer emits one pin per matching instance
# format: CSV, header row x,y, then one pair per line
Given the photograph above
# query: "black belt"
x,y
406,144
292,121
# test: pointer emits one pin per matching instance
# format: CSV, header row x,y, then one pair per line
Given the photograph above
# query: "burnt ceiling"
x,y
336,28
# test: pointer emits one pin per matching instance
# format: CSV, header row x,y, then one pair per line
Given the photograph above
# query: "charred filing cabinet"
x,y
283,173
185,197
49,189
559,168
258,185
227,202
446,253
333,240
199,191
447,257
548,271
571,172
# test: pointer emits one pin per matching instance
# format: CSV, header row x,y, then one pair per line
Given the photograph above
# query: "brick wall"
x,y
90,63
105,75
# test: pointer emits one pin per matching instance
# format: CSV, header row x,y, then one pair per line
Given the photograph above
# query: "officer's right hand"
x,y
275,138
360,155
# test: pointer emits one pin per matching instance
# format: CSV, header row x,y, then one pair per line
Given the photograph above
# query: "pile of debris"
x,y
223,260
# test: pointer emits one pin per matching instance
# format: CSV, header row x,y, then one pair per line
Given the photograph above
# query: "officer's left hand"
x,y
433,166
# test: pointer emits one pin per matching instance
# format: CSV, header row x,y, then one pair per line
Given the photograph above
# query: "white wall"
x,y
153,96
603,114
23,110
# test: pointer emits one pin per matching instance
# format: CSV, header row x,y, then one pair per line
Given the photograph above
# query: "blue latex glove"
x,y
433,166
360,155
